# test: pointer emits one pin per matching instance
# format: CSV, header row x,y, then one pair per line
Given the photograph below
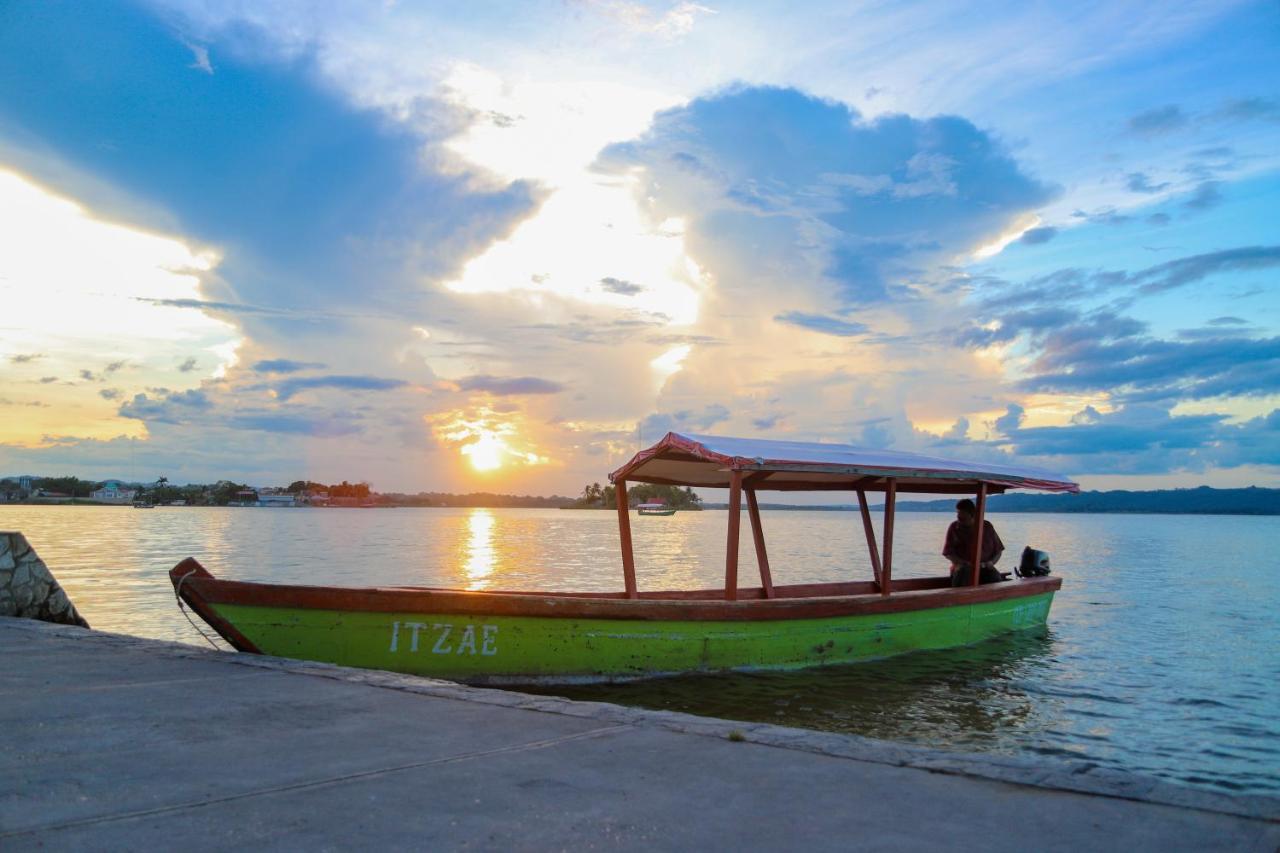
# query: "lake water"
x,y
1162,653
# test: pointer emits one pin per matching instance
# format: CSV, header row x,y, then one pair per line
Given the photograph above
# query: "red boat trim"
x,y
202,590
196,574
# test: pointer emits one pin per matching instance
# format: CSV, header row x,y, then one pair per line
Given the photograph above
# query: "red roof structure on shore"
x,y
709,461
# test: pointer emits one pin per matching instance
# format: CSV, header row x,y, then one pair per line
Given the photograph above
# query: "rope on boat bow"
x,y
177,594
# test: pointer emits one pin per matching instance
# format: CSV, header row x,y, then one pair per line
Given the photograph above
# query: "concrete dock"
x,y
113,743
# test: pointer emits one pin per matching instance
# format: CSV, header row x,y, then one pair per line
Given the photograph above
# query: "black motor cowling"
x,y
1035,564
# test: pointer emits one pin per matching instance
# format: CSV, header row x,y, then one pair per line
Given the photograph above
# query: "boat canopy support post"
x,y
977,537
871,534
624,534
731,547
757,534
890,504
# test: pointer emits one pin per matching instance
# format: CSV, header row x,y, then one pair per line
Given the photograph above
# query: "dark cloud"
x,y
284,365
1248,109
822,323
767,422
505,386
620,287
1158,121
1035,322
187,365
1132,367
110,393
1228,321
167,407
1140,183
1074,285
322,426
685,420
1105,216
290,387
113,367
45,380
1036,236
1207,195
1196,268
1012,418
25,357
1150,439
89,376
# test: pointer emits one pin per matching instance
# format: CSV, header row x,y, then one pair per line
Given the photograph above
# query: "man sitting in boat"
x,y
959,547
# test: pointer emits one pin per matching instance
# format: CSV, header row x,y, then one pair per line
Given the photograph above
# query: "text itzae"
x,y
444,640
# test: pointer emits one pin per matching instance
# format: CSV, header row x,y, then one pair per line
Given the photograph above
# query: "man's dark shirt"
x,y
959,545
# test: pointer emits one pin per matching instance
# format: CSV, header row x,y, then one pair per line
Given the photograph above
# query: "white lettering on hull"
x,y
486,644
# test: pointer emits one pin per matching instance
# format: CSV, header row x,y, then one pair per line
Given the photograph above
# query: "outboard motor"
x,y
1035,564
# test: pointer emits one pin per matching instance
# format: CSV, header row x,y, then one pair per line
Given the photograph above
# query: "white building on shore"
x,y
114,492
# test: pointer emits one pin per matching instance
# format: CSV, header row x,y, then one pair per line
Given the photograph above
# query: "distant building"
x,y
114,492
275,499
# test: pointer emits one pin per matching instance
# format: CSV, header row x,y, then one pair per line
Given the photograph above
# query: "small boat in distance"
x,y
491,637
143,505
655,508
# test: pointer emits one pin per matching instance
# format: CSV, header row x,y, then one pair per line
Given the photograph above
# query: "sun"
x,y
489,440
486,452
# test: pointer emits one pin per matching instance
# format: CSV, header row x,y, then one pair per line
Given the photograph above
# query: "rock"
x,y
21,575
59,604
27,587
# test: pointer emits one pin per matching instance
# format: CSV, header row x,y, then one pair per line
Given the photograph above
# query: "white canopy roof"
x,y
709,460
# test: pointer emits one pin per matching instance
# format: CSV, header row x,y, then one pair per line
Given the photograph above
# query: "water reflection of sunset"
x,y
480,553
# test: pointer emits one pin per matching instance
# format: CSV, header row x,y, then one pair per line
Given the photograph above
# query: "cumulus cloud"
x,y
773,175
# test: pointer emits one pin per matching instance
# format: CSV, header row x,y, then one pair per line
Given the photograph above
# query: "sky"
x,y
500,247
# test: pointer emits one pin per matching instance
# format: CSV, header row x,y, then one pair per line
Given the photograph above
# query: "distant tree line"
x,y
596,497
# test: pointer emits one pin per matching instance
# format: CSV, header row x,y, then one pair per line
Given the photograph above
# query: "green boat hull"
x,y
507,649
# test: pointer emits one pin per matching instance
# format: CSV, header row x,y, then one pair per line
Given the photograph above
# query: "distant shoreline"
x,y
1198,501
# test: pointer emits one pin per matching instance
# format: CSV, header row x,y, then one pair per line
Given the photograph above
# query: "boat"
x,y
143,505
514,637
655,508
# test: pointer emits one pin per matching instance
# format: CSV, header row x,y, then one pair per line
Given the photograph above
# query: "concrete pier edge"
x,y
1076,777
